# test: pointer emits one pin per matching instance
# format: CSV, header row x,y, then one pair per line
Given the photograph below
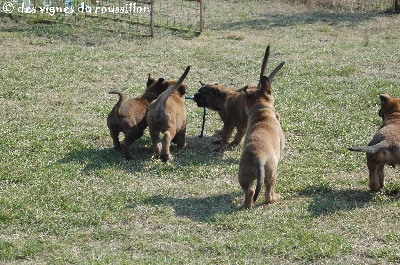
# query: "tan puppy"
x,y
230,106
167,115
384,148
263,143
129,116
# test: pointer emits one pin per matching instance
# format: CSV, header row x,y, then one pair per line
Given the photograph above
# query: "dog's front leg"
x,y
241,131
226,135
219,132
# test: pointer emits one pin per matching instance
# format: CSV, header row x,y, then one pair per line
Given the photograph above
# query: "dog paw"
x,y
233,144
155,157
180,146
164,157
273,198
375,187
245,206
218,150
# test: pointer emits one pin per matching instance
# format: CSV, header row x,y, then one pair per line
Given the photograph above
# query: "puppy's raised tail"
x,y
260,180
164,95
370,149
121,98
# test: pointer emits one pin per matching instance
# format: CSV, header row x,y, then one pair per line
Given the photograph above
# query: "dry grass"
x,y
353,5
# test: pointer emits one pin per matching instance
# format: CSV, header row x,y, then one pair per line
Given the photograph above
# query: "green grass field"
x,y
66,197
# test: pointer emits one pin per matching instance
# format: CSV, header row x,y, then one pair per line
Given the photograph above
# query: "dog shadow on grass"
x,y
327,200
198,150
99,158
204,209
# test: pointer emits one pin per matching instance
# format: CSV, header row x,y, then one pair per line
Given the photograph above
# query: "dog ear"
x,y
160,80
263,66
150,80
384,98
276,70
265,85
245,89
183,90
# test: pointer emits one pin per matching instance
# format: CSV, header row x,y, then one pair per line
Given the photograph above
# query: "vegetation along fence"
x,y
139,17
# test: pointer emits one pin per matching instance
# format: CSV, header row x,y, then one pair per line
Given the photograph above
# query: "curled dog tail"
x,y
121,98
370,149
260,179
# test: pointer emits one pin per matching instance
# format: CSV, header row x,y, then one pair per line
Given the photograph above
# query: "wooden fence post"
x,y
201,16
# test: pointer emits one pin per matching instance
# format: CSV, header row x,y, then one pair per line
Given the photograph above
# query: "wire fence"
x,y
133,16
144,17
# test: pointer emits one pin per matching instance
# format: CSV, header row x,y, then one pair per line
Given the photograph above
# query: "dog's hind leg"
x,y
130,136
248,196
155,137
246,180
126,143
166,142
114,135
374,176
125,148
381,175
270,180
180,138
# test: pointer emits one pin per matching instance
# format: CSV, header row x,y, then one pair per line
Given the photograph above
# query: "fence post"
x,y
152,18
201,16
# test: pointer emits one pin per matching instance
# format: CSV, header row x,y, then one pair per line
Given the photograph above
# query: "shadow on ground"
x,y
197,151
269,20
327,200
197,209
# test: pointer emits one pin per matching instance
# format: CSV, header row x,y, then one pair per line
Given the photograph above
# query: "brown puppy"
x,y
230,106
129,116
167,115
384,148
263,143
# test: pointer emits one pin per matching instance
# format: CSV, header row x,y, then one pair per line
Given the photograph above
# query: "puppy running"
x,y
167,115
263,143
384,148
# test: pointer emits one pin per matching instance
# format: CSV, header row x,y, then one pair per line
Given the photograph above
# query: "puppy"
x,y
384,148
129,116
230,106
167,115
263,143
